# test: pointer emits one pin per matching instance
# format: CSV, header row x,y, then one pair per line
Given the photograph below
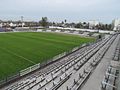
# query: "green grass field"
x,y
21,50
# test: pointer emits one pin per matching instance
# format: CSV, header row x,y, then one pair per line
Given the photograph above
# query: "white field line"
x,y
19,56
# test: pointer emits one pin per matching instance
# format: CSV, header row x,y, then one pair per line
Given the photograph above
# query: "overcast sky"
x,y
58,10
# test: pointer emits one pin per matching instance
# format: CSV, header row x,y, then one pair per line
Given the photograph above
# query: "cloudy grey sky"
x,y
58,10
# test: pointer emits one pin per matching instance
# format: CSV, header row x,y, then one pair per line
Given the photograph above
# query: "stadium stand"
x,y
2,30
5,30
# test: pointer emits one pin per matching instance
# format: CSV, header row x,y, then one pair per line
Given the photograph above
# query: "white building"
x,y
12,24
116,24
93,23
1,24
23,24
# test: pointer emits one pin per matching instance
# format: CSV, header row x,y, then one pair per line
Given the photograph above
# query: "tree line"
x,y
83,25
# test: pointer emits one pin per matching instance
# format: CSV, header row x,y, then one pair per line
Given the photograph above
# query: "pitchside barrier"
x,y
39,65
29,69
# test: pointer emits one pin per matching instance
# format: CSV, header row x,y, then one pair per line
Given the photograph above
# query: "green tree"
x,y
44,22
65,20
79,25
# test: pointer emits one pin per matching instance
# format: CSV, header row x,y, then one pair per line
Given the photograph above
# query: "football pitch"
x,y
21,50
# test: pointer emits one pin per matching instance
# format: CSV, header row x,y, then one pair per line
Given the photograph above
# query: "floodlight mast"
x,y
22,20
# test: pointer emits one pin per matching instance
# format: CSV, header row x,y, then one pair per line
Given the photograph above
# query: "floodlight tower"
x,y
22,20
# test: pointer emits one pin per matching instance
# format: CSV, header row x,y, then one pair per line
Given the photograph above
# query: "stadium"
x,y
59,45
50,59
24,49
